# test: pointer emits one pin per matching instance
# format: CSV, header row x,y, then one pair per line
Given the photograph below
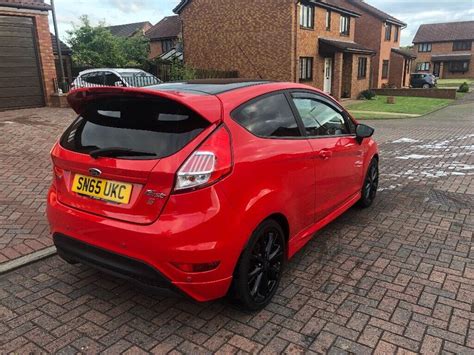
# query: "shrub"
x,y
367,95
464,87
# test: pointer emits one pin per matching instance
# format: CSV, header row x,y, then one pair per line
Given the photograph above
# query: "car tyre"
x,y
426,86
258,273
371,184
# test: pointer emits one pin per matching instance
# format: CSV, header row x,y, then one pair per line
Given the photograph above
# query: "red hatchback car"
x,y
205,187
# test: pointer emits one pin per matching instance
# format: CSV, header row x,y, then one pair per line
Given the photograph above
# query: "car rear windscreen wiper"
x,y
119,152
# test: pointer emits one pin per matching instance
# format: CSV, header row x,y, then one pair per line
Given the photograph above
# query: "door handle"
x,y
325,154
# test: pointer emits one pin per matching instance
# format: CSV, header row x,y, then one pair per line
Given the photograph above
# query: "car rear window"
x,y
159,127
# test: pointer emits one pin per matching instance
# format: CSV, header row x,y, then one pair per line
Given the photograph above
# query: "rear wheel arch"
x,y
284,224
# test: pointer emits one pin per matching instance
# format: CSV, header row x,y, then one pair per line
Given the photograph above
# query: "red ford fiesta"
x,y
205,187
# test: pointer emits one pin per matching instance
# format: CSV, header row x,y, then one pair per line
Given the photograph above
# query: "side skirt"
x,y
300,240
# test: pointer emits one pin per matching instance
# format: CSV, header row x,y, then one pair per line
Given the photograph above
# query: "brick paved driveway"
x,y
398,277
25,173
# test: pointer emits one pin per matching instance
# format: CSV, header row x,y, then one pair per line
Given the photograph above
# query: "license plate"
x,y
108,190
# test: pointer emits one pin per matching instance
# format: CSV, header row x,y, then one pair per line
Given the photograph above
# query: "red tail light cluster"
x,y
211,162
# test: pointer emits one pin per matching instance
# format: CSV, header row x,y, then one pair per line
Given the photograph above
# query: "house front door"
x,y
437,69
327,75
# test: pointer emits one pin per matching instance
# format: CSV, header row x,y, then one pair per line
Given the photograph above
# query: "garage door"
x,y
20,77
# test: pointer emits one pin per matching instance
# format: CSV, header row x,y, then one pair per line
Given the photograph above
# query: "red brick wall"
x,y
43,39
370,32
308,45
213,32
432,93
359,85
397,66
444,48
156,48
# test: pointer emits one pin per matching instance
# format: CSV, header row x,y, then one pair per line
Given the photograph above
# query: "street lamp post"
x,y
58,45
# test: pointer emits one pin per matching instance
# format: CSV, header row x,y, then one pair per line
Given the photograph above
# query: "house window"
x,y
385,66
397,33
306,68
167,45
425,66
461,66
307,16
328,20
462,45
388,32
345,25
424,47
362,71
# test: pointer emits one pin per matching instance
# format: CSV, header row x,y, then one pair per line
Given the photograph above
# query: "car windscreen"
x,y
140,79
154,128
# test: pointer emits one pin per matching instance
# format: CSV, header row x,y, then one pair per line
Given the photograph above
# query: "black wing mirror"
x,y
363,131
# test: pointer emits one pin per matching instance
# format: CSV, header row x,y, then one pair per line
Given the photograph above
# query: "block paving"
x,y
396,278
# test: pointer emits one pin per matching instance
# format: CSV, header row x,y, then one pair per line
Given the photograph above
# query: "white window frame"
x,y
306,68
345,25
425,47
307,16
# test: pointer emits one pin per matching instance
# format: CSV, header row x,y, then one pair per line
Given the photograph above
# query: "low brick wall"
x,y
59,101
432,93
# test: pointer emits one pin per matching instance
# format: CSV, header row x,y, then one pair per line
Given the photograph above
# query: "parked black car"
x,y
424,81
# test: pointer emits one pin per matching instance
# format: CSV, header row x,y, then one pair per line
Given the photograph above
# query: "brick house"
x,y
164,36
130,29
445,49
26,54
381,32
306,41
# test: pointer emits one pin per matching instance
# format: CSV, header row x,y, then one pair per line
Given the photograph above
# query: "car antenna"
x,y
248,59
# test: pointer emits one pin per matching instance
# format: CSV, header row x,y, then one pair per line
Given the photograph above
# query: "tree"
x,y
135,49
95,46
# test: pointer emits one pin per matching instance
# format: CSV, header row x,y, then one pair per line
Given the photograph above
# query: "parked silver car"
x,y
114,77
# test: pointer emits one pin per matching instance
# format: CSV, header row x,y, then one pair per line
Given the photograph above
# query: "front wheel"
x,y
426,86
371,184
260,267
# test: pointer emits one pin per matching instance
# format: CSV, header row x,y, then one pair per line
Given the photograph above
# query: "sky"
x,y
115,12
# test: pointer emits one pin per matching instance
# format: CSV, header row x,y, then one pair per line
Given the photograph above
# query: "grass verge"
x,y
453,83
403,105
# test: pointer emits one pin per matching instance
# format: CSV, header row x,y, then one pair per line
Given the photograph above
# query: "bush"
x,y
464,87
367,95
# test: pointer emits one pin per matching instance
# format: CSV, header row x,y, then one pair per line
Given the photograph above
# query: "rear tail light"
x,y
211,162
58,175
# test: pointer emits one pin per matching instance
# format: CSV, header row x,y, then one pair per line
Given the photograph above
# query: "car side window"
x,y
96,78
319,118
270,116
111,79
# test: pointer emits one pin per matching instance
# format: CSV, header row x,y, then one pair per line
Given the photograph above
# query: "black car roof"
x,y
208,86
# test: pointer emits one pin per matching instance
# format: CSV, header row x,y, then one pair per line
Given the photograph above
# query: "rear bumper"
x,y
148,253
72,249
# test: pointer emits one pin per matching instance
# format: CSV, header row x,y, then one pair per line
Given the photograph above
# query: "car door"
x,y
337,156
277,158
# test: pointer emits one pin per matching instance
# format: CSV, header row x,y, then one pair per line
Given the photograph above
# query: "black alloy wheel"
x,y
260,267
371,184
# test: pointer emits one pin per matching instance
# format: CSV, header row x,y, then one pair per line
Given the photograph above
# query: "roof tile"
x,y
26,4
445,32
169,27
128,29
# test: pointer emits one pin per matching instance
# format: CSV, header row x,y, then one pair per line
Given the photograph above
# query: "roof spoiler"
x,y
208,106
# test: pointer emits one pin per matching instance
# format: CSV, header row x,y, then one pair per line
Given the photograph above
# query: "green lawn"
x,y
407,105
453,83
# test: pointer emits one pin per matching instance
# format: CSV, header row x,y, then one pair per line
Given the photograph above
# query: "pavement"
x,y
395,278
